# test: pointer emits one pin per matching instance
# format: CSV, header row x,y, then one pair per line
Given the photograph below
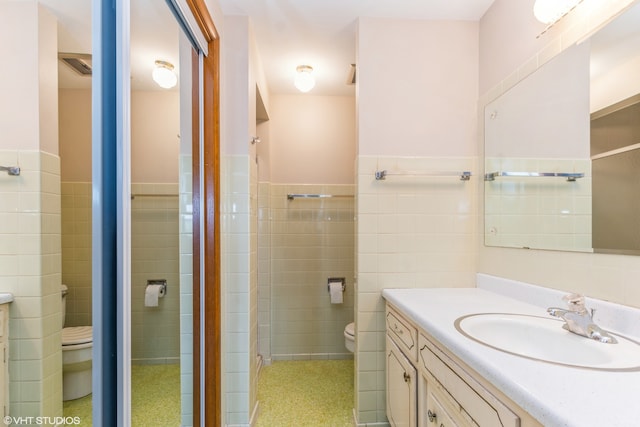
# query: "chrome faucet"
x,y
579,320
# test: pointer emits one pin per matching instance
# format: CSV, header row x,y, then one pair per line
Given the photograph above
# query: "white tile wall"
x,y
311,241
412,232
30,268
238,362
155,335
76,251
185,225
542,213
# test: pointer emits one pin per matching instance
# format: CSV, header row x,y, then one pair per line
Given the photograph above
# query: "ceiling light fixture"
x,y
550,11
164,75
304,80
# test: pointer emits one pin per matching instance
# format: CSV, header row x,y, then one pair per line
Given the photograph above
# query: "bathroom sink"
x,y
544,339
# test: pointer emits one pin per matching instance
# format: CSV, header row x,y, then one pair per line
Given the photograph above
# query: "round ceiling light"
x,y
304,80
164,75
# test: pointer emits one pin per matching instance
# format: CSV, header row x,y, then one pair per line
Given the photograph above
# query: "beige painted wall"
x,y
421,82
510,52
155,130
312,139
75,135
32,83
155,144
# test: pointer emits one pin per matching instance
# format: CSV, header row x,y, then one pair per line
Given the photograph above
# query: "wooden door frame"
x,y
206,211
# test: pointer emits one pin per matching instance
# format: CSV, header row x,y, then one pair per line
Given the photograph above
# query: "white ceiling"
x,y
321,33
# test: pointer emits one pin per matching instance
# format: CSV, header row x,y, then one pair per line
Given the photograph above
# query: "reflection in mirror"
x,y
160,206
615,152
155,217
542,126
615,135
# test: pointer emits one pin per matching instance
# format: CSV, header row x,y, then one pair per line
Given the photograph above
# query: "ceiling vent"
x,y
79,62
351,78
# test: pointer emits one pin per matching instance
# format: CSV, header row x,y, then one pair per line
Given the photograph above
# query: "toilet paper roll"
x,y
151,295
335,290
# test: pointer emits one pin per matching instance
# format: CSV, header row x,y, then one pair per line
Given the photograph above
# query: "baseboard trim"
x,y
312,356
156,361
357,424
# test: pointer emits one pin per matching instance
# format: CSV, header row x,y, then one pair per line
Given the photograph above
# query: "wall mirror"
x,y
562,149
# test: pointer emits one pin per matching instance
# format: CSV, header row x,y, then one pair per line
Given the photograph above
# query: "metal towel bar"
x,y
11,170
491,176
133,196
464,176
317,196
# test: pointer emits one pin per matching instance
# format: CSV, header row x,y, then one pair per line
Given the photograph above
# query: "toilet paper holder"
x,y
161,282
336,279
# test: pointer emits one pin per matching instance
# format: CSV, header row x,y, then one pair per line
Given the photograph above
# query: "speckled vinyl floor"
x,y
314,393
155,398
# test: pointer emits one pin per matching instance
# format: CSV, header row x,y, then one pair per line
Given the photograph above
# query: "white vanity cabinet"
x,y
402,378
428,387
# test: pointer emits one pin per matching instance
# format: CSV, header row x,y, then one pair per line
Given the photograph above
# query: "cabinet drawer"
x,y
403,334
478,403
436,413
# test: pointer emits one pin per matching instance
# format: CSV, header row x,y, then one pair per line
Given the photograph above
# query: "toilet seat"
x,y
76,335
350,330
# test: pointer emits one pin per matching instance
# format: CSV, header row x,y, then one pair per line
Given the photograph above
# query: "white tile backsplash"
x,y
412,231
31,270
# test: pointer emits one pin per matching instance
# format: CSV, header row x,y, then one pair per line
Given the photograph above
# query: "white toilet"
x,y
350,337
77,347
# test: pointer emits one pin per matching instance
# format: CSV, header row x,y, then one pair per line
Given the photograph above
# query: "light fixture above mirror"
x,y
304,80
164,75
550,11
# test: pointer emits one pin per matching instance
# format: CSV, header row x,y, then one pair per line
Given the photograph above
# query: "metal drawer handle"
x,y
396,328
407,377
432,416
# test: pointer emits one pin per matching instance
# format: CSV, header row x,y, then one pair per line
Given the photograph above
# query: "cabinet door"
x,y
401,388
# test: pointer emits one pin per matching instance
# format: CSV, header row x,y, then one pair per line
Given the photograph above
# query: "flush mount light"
x,y
164,75
549,11
304,80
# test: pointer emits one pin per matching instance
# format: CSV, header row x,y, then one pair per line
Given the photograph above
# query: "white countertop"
x,y
5,297
554,395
